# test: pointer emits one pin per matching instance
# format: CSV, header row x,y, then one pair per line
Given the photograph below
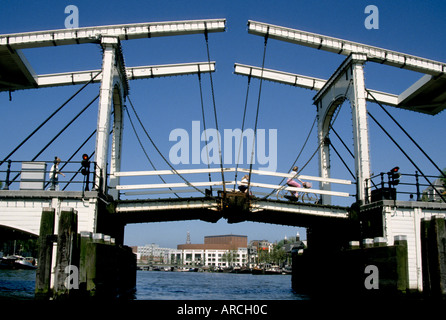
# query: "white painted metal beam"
x,y
171,172
158,192
219,183
345,47
321,211
144,206
123,32
218,170
173,185
168,70
133,73
303,177
291,79
305,190
305,82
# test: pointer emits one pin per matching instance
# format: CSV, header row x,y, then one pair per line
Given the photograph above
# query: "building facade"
x,y
217,251
431,195
152,253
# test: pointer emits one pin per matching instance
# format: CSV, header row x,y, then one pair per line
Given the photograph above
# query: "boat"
x,y
287,270
183,269
241,270
273,270
26,263
13,262
257,270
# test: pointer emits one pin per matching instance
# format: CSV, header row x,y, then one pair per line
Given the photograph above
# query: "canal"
x,y
160,285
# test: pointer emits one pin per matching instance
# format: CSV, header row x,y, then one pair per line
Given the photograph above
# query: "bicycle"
x,y
305,197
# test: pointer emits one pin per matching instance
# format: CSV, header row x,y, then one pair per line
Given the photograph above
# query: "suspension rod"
x,y
407,156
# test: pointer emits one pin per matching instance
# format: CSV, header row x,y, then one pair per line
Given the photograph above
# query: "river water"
x,y
213,286
159,285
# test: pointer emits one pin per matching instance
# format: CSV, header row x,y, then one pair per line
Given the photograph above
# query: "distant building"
x,y
216,251
261,245
152,253
429,194
255,248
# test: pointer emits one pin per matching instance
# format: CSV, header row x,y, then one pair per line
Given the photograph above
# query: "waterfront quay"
x,y
221,253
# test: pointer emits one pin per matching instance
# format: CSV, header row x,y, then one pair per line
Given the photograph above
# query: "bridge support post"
x,y
346,83
83,265
43,274
113,89
67,258
360,129
433,239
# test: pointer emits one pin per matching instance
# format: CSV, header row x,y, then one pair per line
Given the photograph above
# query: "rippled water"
x,y
17,284
213,286
153,285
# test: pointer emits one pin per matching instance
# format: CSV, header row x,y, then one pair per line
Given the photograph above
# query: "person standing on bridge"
x,y
293,183
54,174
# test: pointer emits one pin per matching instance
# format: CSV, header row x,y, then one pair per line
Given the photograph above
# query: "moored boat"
x,y
13,262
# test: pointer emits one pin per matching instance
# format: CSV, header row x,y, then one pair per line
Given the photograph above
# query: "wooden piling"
x,y
349,270
402,263
86,265
433,244
440,231
89,265
367,243
379,242
85,239
353,245
67,254
424,231
43,274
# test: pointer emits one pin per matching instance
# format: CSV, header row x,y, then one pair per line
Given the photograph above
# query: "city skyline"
x,y
187,235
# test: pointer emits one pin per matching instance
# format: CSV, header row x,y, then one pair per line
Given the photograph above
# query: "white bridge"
x,y
104,210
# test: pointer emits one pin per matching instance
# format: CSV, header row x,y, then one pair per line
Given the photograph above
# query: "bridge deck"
x,y
207,209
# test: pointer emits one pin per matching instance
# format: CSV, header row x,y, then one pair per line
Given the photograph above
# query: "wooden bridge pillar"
x,y
67,257
43,274
81,265
433,249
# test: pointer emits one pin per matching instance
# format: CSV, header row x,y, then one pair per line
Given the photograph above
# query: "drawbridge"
x,y
103,203
346,83
227,202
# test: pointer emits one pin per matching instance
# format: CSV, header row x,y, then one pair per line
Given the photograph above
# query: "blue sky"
x,y
415,27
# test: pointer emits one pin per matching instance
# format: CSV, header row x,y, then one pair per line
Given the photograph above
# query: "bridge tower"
x,y
113,91
391,218
61,218
347,82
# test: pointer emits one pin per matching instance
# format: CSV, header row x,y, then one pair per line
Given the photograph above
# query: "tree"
x,y
227,256
278,255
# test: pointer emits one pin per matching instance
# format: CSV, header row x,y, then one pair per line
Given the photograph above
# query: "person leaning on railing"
x,y
54,174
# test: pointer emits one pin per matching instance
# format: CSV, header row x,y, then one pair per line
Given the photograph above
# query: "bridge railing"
x,y
40,175
161,188
405,186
